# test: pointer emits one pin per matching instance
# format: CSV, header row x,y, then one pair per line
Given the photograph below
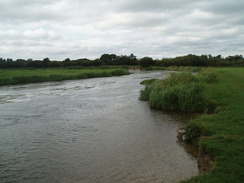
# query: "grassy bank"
x,y
219,134
21,76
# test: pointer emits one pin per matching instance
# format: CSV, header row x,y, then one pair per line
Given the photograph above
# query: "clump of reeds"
x,y
179,92
208,76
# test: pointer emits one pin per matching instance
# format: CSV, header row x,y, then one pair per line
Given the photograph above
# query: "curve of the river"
x,y
88,131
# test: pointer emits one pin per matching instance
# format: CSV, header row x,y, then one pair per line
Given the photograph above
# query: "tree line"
x,y
112,59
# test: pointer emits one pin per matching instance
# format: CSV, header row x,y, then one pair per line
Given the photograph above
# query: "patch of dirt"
x,y
205,163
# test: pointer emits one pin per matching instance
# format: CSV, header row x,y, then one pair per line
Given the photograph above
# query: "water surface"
x,y
86,131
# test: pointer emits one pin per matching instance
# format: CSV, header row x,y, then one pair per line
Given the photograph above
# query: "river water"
x,y
89,131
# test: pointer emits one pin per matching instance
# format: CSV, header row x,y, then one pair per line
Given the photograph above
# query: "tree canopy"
x,y
112,59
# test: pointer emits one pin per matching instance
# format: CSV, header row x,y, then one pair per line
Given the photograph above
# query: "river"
x,y
89,131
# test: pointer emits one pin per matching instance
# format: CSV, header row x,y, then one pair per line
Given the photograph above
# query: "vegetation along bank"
x,y
21,76
219,132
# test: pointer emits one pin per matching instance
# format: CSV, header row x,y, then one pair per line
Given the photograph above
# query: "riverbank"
x,y
219,132
21,76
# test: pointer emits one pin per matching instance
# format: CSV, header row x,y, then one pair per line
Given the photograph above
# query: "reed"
x,y
179,92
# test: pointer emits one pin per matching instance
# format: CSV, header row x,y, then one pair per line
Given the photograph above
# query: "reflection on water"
x,y
86,131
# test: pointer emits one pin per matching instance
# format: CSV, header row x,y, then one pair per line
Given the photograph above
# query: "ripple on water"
x,y
88,131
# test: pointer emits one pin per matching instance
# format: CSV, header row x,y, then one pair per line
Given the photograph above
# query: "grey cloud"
x,y
224,6
85,28
152,5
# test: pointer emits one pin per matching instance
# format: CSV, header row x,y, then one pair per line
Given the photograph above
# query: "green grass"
x,y
184,68
221,135
175,68
179,92
21,76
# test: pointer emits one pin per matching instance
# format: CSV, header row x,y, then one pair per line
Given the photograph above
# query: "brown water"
x,y
88,131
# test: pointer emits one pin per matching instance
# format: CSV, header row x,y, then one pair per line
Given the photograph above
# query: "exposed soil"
x,y
205,163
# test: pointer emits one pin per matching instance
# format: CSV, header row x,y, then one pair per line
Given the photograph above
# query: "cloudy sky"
x,y
73,29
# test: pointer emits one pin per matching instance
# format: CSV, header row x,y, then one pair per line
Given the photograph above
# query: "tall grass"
x,y
179,92
184,68
208,76
21,76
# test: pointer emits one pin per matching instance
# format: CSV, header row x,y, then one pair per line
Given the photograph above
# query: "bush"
x,y
187,97
179,92
146,62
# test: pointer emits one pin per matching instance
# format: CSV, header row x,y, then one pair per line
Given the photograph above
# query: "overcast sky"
x,y
73,29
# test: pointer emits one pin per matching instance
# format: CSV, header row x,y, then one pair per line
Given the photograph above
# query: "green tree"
x,y
108,58
146,62
45,62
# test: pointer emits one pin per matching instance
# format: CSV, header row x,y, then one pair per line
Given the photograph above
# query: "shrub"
x,y
146,62
179,92
188,97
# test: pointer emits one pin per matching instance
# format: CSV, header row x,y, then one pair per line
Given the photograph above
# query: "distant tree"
x,y
218,57
9,60
67,60
2,63
35,63
97,62
20,63
146,62
234,58
122,60
133,59
45,62
54,64
108,58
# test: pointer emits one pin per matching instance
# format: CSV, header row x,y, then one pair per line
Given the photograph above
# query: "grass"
x,y
184,68
175,68
21,76
179,92
221,134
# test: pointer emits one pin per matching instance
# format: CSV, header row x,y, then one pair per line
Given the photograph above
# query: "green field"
x,y
21,76
222,133
219,131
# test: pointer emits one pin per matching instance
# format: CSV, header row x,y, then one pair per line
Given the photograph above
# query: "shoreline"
x,y
221,139
218,132
25,76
